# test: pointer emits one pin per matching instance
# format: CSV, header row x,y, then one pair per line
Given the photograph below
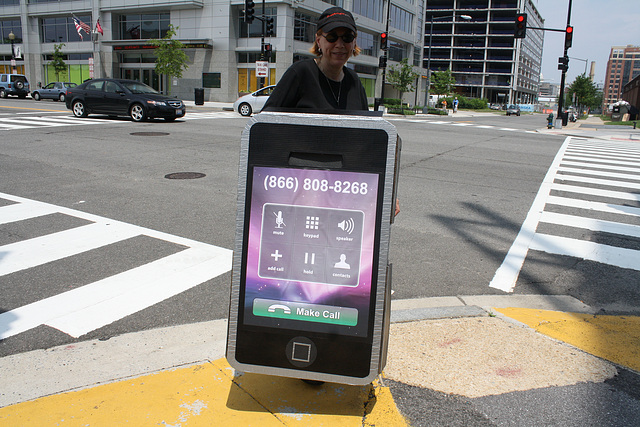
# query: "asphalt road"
x,y
466,188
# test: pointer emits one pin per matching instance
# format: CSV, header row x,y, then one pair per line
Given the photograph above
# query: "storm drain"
x,y
149,133
185,175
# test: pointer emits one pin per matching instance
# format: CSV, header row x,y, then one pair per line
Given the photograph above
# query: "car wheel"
x,y
19,85
137,113
36,96
78,109
3,93
62,97
245,109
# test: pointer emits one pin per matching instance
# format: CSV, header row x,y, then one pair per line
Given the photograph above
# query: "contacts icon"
x,y
342,264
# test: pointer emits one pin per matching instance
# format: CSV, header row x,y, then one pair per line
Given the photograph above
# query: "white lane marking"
x,y
97,304
597,181
507,274
619,257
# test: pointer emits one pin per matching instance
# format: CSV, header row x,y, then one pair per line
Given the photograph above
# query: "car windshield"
x,y
137,87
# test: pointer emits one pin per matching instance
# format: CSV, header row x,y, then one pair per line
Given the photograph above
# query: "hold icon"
x,y
347,225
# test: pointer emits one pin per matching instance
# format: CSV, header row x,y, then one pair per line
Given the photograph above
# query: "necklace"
x,y
337,98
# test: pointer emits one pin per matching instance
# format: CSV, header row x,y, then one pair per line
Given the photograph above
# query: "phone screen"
x,y
310,250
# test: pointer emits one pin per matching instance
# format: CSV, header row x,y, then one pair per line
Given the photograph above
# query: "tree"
x,y
442,82
57,61
402,78
171,60
585,91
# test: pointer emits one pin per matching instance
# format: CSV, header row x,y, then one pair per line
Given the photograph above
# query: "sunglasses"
x,y
333,37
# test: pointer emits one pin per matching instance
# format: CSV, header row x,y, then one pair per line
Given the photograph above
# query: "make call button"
x,y
307,312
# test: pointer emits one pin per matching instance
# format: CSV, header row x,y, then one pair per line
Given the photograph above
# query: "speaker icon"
x,y
347,225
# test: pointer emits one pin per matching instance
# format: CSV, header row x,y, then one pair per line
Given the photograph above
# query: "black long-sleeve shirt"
x,y
304,86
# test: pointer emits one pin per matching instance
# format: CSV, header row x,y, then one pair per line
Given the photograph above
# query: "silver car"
x,y
54,90
253,102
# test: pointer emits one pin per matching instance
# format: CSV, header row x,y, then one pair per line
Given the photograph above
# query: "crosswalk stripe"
x,y
52,247
557,245
570,165
100,303
21,211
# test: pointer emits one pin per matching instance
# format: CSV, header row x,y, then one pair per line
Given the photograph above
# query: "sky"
x,y
597,26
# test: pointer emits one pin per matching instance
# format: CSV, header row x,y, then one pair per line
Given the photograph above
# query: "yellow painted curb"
x,y
210,394
614,338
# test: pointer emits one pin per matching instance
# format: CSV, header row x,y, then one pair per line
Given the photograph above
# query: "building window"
x,y
371,9
255,28
397,51
143,26
8,26
252,57
401,19
304,28
366,43
62,30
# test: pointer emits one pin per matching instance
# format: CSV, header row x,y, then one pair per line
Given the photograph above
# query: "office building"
x,y
485,59
622,67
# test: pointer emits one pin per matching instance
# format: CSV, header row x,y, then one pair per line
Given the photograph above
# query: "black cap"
x,y
336,17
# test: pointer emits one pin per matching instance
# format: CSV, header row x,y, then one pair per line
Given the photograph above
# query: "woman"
x,y
324,83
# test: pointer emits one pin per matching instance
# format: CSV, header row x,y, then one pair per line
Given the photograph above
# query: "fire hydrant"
x,y
550,121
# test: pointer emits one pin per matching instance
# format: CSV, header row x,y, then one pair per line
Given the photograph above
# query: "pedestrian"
x,y
324,83
455,104
444,104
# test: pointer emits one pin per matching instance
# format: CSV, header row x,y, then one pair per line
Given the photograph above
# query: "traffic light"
x,y
270,30
268,48
382,63
568,37
383,41
249,11
563,63
520,29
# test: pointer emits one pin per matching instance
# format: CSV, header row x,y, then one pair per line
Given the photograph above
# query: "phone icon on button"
x,y
272,308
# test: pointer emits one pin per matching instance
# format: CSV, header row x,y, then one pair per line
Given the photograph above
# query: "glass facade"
x,y
62,30
143,26
7,26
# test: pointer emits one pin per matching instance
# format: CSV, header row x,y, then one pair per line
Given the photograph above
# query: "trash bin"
x,y
199,95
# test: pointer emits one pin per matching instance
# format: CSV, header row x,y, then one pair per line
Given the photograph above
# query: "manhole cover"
x,y
149,133
185,175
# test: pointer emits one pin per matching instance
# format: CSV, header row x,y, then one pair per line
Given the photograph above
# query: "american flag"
x,y
81,26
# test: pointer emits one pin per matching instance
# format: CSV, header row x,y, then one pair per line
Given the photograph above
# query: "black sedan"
x,y
54,90
120,97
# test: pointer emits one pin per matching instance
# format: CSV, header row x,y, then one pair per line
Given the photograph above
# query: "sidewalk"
x,y
472,347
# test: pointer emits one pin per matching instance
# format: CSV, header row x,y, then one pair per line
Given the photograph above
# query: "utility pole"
x,y
564,70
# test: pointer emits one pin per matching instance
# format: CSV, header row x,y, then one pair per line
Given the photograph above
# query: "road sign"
x,y
262,69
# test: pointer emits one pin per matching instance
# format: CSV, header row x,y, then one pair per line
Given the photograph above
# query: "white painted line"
x,y
596,192
600,173
603,167
41,250
485,126
605,156
21,211
596,206
32,123
141,287
591,224
508,129
603,152
507,274
94,305
620,257
605,161
596,181
6,126
461,124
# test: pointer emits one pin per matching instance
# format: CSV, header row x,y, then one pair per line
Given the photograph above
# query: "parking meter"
x,y
310,293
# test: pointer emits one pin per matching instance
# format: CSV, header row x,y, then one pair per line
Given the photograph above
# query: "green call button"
x,y
306,312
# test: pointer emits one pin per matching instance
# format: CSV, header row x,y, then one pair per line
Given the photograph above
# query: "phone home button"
x,y
301,352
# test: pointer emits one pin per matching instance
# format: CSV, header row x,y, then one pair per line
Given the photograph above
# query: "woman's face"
x,y
335,50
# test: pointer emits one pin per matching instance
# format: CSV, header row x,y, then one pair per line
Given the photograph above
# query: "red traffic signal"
x,y
568,37
383,41
520,29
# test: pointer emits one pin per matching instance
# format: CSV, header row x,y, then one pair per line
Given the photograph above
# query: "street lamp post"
x,y
12,38
425,109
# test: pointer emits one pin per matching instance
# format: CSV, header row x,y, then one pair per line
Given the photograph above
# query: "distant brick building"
x,y
622,67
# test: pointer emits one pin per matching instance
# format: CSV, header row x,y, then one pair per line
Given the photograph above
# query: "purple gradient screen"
x,y
327,189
